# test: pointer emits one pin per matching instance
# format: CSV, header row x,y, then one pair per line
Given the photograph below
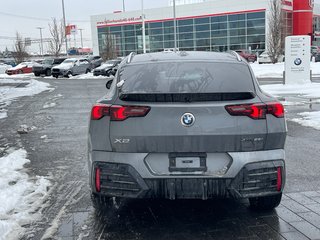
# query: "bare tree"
x,y
276,36
58,35
20,54
108,49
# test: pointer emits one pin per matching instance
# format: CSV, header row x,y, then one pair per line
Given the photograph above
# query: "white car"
x,y
265,58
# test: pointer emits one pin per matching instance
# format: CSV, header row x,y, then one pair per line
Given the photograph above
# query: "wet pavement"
x,y
57,149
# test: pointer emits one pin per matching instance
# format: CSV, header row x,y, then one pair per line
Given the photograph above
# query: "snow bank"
x,y
305,92
8,93
4,67
309,119
20,196
276,70
19,76
87,76
308,90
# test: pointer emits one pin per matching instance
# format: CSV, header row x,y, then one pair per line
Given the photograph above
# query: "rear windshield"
x,y
186,77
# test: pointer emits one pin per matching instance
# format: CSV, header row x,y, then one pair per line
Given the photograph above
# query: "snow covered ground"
x,y
4,67
10,93
21,197
276,70
29,76
305,92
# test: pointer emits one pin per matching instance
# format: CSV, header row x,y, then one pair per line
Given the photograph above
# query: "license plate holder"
x,y
187,162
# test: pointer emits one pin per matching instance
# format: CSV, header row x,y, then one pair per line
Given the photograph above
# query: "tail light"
x,y
256,110
118,113
97,178
279,179
276,109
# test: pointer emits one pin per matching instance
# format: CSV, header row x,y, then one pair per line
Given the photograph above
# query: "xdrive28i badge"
x,y
187,119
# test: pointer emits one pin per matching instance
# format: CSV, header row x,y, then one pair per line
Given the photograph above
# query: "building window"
x,y
216,33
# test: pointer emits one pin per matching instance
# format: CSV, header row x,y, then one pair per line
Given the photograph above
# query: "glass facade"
x,y
215,33
316,29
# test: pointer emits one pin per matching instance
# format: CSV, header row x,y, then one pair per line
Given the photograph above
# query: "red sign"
x,y
71,29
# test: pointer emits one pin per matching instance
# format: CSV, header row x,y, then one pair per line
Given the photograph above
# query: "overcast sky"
x,y
26,16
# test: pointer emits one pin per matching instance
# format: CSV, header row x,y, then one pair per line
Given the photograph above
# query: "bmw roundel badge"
x,y
298,61
187,119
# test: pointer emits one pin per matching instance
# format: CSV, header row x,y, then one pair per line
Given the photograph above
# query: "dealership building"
x,y
207,25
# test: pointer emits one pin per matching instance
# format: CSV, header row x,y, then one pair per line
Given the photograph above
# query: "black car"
x,y
46,65
106,68
316,57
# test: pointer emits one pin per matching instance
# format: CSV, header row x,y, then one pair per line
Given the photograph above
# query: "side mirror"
x,y
108,84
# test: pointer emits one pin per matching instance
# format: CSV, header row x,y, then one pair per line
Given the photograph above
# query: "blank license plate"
x,y
187,162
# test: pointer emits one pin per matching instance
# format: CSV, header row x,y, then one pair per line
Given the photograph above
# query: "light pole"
x,y
123,6
64,25
41,45
143,29
81,29
175,25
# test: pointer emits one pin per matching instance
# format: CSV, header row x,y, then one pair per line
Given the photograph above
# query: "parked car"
x,y
71,67
265,58
106,68
315,50
95,61
317,57
46,65
24,67
152,135
247,55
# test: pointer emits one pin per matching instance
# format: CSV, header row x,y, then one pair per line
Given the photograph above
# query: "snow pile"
x,y
276,70
87,76
18,76
20,196
308,90
309,119
8,93
305,92
4,67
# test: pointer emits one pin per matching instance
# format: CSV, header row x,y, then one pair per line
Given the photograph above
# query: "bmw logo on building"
x,y
187,119
298,61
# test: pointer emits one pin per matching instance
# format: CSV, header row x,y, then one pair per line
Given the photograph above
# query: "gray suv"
x,y
46,65
187,125
71,67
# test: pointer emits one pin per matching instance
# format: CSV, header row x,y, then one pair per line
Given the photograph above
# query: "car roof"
x,y
185,56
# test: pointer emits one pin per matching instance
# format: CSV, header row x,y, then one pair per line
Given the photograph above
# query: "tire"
x,y
265,203
37,74
101,202
87,71
48,72
69,74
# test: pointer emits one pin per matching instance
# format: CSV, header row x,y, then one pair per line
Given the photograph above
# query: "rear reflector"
x,y
97,176
118,113
279,179
256,110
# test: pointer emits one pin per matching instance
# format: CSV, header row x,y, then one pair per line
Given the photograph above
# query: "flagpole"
x,y
143,29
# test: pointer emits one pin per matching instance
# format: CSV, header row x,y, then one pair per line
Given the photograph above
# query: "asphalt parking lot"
x,y
68,213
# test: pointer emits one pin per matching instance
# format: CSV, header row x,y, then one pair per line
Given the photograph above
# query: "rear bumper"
x,y
250,174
